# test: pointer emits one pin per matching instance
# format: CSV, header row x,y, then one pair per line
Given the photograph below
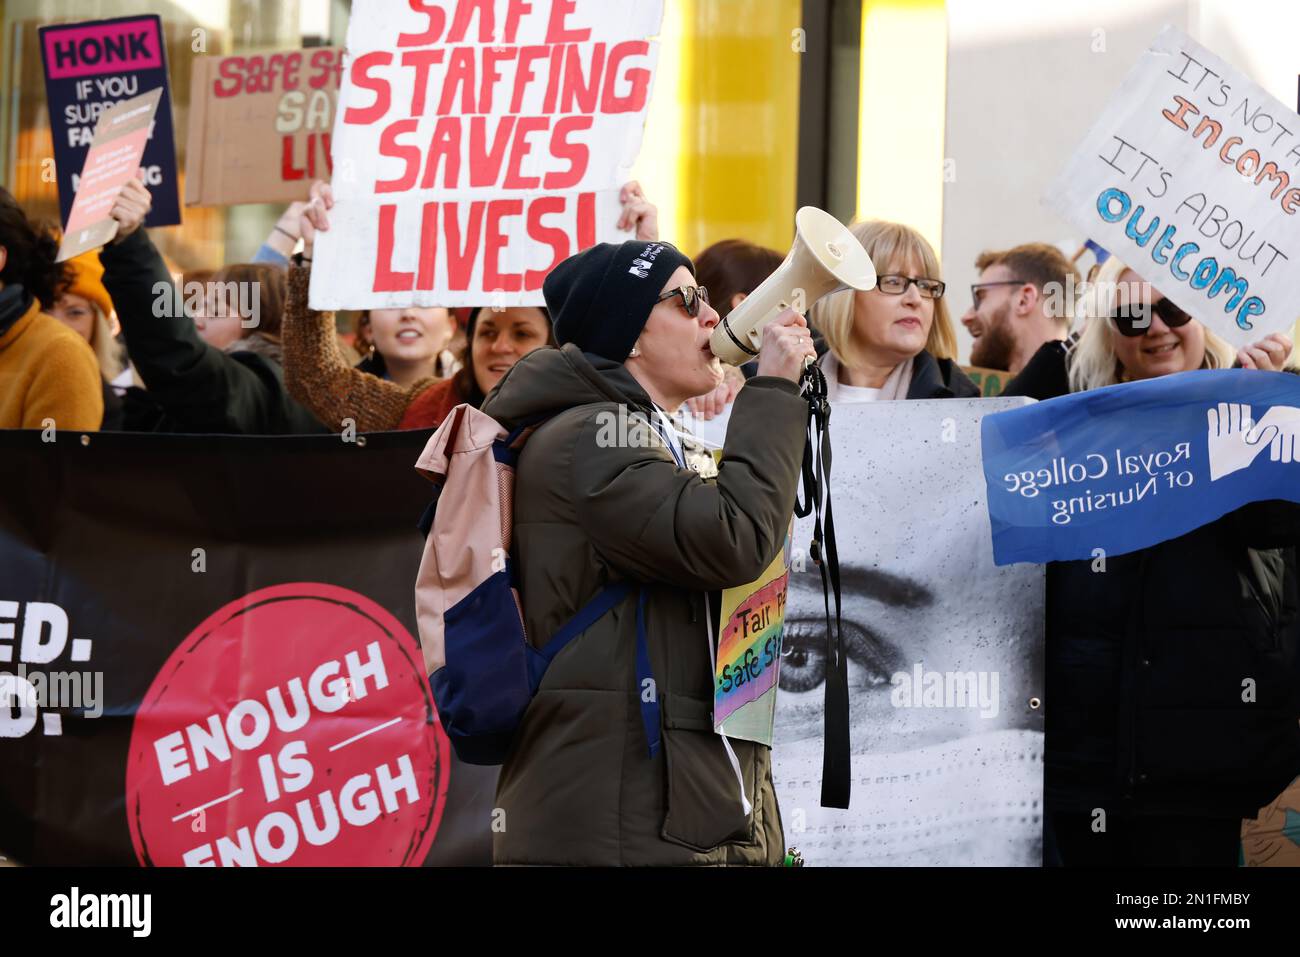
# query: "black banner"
x,y
208,656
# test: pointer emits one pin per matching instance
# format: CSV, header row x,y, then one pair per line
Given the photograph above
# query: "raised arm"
x,y
317,374
203,388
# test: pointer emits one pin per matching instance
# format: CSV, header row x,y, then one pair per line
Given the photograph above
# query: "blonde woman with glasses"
x,y
895,341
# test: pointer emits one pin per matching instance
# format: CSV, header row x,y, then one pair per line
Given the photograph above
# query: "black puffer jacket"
x,y
1152,666
193,387
1150,663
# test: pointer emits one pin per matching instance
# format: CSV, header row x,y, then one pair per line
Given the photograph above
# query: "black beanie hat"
x,y
601,298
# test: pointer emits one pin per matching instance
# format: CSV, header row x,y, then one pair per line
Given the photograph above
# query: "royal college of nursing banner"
x,y
1124,467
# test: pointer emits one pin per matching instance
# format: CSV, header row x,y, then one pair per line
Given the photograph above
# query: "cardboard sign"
x,y
261,126
91,66
990,381
114,157
1132,465
1190,178
477,145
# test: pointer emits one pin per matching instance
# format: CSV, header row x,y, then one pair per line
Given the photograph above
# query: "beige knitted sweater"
x,y
318,375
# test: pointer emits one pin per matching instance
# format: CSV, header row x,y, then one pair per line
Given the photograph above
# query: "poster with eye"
x,y
945,649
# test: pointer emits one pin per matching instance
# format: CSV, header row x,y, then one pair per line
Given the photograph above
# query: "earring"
x,y
634,353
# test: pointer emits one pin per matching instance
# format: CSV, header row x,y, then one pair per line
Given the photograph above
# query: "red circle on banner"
x,y
294,726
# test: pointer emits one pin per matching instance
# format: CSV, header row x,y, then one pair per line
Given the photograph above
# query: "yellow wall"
x,y
902,97
721,142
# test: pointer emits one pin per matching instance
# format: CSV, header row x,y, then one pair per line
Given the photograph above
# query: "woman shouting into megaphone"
x,y
616,761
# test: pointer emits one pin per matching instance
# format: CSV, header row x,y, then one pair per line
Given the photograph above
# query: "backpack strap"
x,y
645,682
588,615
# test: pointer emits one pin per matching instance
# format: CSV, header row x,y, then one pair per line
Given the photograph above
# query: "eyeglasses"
x,y
977,286
1133,320
897,285
692,296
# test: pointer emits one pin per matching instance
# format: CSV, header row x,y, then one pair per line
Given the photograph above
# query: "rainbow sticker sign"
x,y
751,620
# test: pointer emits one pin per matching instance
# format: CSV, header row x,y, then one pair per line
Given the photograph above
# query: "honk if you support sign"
x,y
1191,176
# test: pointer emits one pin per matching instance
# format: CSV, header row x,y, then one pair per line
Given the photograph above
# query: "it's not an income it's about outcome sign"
x,y
1191,176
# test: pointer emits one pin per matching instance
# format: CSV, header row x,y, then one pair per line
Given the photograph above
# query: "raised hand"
x,y
130,208
638,212
1267,355
315,215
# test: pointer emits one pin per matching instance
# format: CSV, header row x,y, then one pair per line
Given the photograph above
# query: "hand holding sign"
x,y
314,216
1267,355
638,212
131,208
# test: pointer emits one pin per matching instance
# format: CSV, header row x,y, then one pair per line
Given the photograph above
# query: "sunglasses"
x,y
692,296
897,285
1131,320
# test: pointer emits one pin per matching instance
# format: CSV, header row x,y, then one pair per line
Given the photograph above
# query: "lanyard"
x,y
669,434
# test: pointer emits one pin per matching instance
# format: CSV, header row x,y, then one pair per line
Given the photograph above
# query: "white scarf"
x,y
895,387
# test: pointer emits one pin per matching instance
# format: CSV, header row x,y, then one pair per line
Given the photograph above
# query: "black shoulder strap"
x,y
816,483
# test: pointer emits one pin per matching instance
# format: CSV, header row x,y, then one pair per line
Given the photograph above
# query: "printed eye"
x,y
803,666
872,661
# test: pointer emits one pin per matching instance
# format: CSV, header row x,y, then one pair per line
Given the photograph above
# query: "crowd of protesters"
x,y
83,345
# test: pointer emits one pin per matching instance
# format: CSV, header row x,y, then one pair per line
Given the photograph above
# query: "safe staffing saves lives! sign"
x,y
477,145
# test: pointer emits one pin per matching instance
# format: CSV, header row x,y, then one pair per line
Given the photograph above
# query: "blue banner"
x,y
1128,466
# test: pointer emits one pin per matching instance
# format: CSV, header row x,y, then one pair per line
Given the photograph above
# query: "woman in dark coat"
x,y
616,761
1171,698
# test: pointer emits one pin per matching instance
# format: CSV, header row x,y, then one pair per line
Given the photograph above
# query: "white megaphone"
x,y
825,258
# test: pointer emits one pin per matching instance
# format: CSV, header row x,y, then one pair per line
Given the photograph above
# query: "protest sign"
x,y
113,158
91,66
749,653
1128,466
478,144
239,105
248,688
991,382
945,655
1187,177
